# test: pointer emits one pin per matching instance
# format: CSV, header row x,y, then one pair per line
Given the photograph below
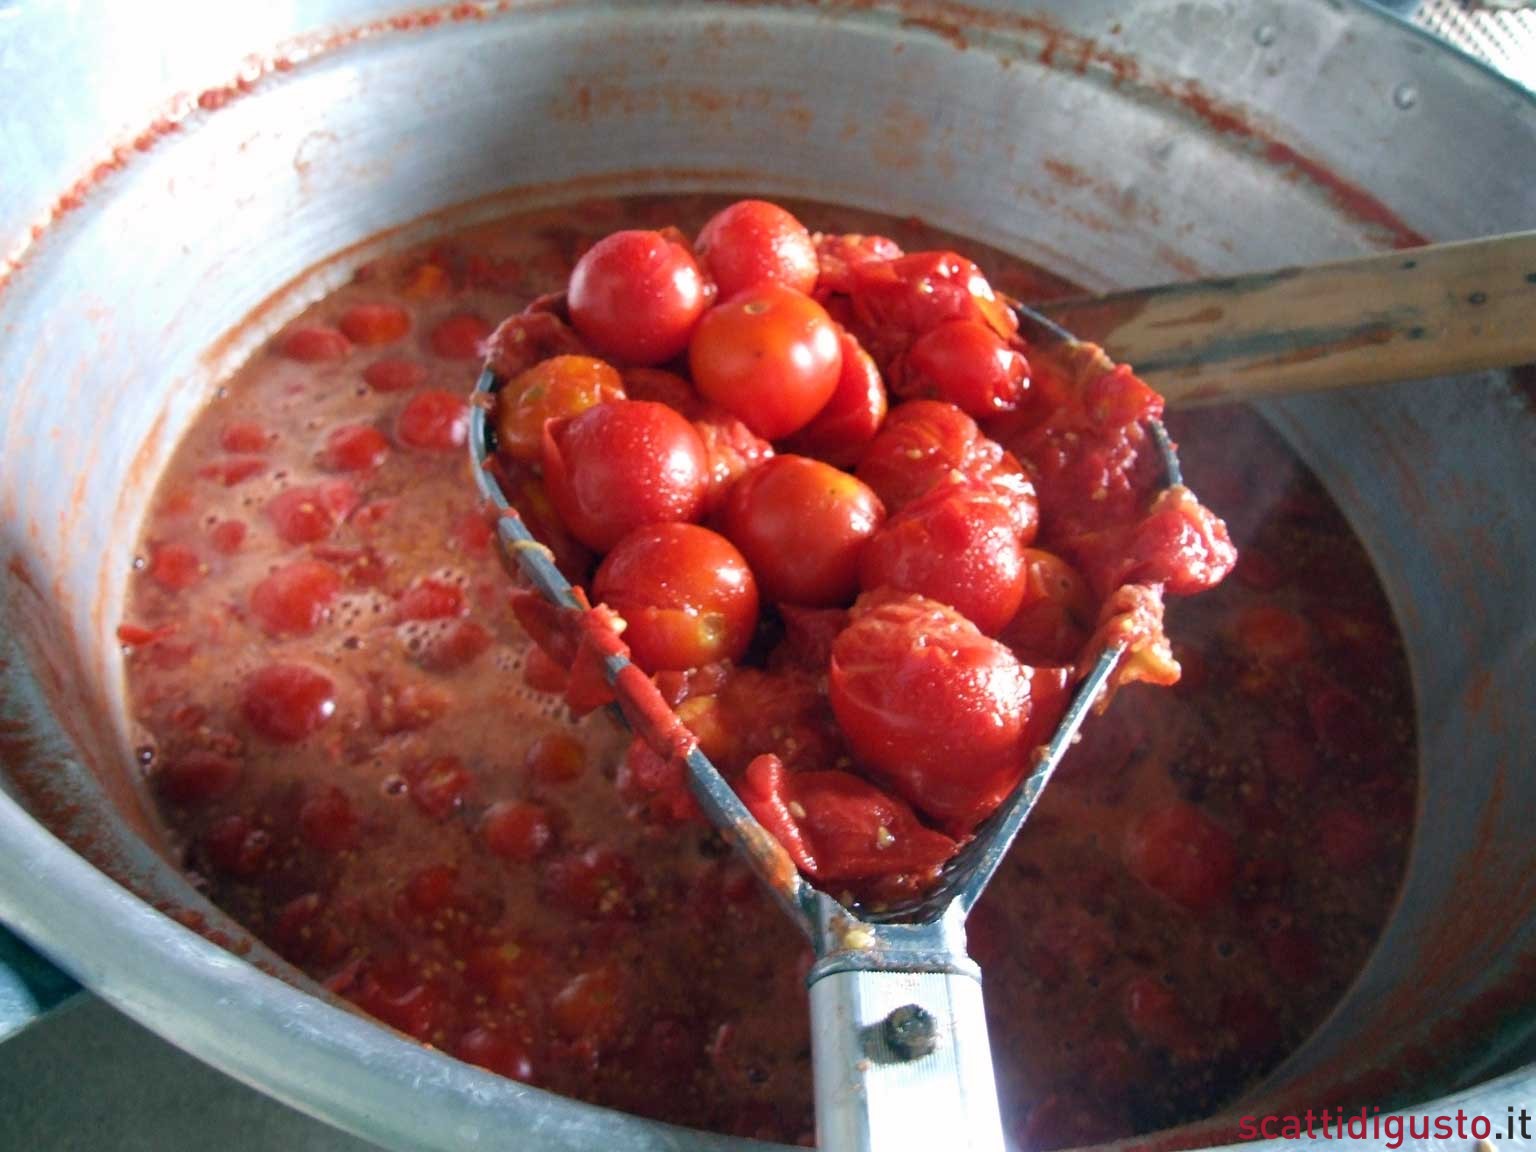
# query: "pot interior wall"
x,y
1015,132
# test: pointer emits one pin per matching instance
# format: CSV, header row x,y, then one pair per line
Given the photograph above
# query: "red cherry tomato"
x,y
593,1007
1056,611
392,375
287,702
438,786
622,465
915,293
564,386
314,345
434,421
375,323
516,830
770,356
635,297
227,536
405,707
329,821
599,883
840,829
430,599
925,442
838,255
495,1051
354,448
685,592
957,545
197,777
969,365
461,336
522,340
245,438
176,567
554,759
236,848
310,512
1181,853
663,387
294,599
731,450
752,241
932,709
843,428
801,524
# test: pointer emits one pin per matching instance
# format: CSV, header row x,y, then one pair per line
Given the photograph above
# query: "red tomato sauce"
x,y
362,757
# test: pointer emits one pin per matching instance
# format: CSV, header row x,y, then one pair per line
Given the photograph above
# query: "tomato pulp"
x,y
404,811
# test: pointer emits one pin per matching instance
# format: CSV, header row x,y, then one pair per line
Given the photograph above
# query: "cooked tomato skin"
x,y
846,424
968,364
621,465
751,241
1056,611
957,545
686,594
635,296
801,524
932,709
433,421
562,386
768,355
923,443
293,599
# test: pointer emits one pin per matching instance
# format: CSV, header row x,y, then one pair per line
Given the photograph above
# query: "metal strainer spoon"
x,y
899,1036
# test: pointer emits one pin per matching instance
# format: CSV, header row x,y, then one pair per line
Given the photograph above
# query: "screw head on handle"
x,y
910,1032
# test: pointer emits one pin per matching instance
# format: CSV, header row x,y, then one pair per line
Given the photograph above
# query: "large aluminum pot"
x,y
158,182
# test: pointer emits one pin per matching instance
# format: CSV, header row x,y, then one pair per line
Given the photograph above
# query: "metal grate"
x,y
1502,36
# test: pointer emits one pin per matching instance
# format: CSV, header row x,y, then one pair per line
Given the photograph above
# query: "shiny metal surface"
x,y
869,1098
1116,143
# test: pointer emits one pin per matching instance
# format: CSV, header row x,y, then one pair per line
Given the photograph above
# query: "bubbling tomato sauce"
x,y
362,757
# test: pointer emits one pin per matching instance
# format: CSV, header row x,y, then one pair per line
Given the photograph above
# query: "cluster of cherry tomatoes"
x,y
770,439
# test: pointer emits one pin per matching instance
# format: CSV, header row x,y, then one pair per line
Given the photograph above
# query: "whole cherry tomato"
x,y
801,524
1181,853
560,386
932,709
957,545
434,421
375,323
843,428
923,443
685,593
751,241
768,355
635,297
354,448
969,365
621,465
731,450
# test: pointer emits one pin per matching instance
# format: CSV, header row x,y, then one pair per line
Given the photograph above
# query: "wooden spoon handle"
x,y
1403,315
